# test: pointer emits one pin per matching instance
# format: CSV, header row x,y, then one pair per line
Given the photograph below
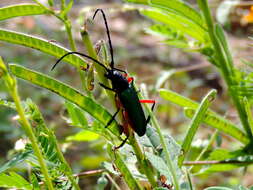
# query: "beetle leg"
x,y
152,108
113,117
122,144
106,87
149,101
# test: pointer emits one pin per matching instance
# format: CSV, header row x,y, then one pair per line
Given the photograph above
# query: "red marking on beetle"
x,y
147,101
130,79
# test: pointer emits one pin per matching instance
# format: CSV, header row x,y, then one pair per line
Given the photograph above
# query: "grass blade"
x,y
18,158
177,22
221,124
41,45
180,7
248,112
14,180
21,10
211,118
67,92
195,122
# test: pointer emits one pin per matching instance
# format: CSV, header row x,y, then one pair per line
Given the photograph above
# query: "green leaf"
x,y
195,122
13,180
162,30
178,99
67,92
83,136
18,158
159,164
21,10
41,45
221,124
217,188
179,43
226,161
7,104
173,148
211,118
177,22
248,112
124,170
76,115
35,182
66,9
145,2
180,8
223,42
160,188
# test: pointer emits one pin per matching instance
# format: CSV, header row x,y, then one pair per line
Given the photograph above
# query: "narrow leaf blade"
x,y
67,92
211,118
21,10
195,122
41,45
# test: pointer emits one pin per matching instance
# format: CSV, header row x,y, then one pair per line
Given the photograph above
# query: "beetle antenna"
x,y
81,54
108,34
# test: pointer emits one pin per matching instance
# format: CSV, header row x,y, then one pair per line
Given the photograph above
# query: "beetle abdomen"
x,y
130,101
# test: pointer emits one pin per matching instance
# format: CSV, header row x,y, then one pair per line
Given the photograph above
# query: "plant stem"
x,y
101,71
167,154
113,182
213,162
225,65
63,160
12,87
189,179
68,28
165,147
195,122
212,139
248,112
62,4
142,160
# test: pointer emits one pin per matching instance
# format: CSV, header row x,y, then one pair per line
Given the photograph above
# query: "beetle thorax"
x,y
119,82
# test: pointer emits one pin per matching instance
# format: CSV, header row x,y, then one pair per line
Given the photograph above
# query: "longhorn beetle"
x,y
124,91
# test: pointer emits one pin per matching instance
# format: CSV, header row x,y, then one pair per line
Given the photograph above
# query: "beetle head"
x,y
119,82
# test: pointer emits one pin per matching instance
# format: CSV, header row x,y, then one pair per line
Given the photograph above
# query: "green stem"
x,y
249,113
62,4
189,179
195,122
100,70
12,87
68,168
144,163
226,66
40,120
114,184
212,139
165,147
167,154
68,28
91,51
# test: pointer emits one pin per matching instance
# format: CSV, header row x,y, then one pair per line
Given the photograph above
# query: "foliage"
x,y
156,158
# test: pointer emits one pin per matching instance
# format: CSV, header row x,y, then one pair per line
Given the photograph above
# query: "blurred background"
x,y
146,58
